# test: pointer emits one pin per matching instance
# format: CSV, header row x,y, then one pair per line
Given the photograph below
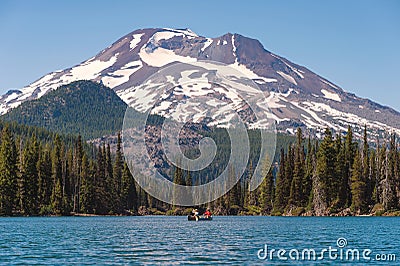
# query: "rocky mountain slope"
x,y
296,96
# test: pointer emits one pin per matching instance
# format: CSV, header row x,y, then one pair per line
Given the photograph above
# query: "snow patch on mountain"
x,y
164,35
287,77
207,43
233,45
274,99
161,57
321,123
330,84
185,77
11,97
140,98
295,70
286,94
89,70
344,117
161,109
136,38
309,122
122,75
187,32
250,74
331,95
273,116
27,91
40,82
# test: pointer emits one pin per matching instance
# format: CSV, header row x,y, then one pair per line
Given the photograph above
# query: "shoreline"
x,y
389,214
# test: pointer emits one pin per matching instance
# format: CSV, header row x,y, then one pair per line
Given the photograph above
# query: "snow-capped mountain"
x,y
295,95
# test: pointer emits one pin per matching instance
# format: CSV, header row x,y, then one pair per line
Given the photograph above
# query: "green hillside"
x,y
81,107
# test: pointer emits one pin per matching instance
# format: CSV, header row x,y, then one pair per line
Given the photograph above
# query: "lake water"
x,y
174,240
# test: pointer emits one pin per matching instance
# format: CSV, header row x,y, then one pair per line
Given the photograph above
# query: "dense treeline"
x,y
22,132
335,176
38,178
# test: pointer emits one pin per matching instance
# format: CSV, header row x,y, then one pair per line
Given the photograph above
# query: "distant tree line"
x,y
53,179
336,176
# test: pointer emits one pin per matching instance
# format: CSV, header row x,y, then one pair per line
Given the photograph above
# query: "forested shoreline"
x,y
334,176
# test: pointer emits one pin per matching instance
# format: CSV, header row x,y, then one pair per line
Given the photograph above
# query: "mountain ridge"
x,y
296,95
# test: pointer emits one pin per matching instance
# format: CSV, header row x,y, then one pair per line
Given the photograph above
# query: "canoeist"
x,y
207,213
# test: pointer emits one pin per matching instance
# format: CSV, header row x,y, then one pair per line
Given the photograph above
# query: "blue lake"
x,y
174,240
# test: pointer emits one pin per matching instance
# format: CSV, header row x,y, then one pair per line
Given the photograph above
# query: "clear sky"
x,y
354,44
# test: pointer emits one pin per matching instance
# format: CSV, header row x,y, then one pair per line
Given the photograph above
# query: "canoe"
x,y
199,218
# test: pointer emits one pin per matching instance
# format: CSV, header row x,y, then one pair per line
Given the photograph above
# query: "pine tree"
x,y
189,181
86,193
101,201
28,189
111,194
324,179
389,197
342,182
296,197
289,166
250,196
57,191
118,164
309,171
267,193
69,177
282,187
77,163
129,197
366,167
232,197
45,184
358,186
373,185
350,149
66,186
142,196
8,172
117,170
381,172
397,176
178,180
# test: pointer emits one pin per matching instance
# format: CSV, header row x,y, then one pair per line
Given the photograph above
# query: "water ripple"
x,y
174,240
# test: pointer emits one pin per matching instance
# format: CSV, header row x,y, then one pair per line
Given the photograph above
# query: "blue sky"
x,y
354,44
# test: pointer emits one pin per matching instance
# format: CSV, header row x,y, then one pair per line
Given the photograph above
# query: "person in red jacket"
x,y
207,213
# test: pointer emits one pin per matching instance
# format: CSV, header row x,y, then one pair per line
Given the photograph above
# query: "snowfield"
x,y
136,38
161,57
331,95
287,77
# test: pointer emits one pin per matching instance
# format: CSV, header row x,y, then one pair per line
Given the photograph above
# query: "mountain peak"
x,y
297,96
